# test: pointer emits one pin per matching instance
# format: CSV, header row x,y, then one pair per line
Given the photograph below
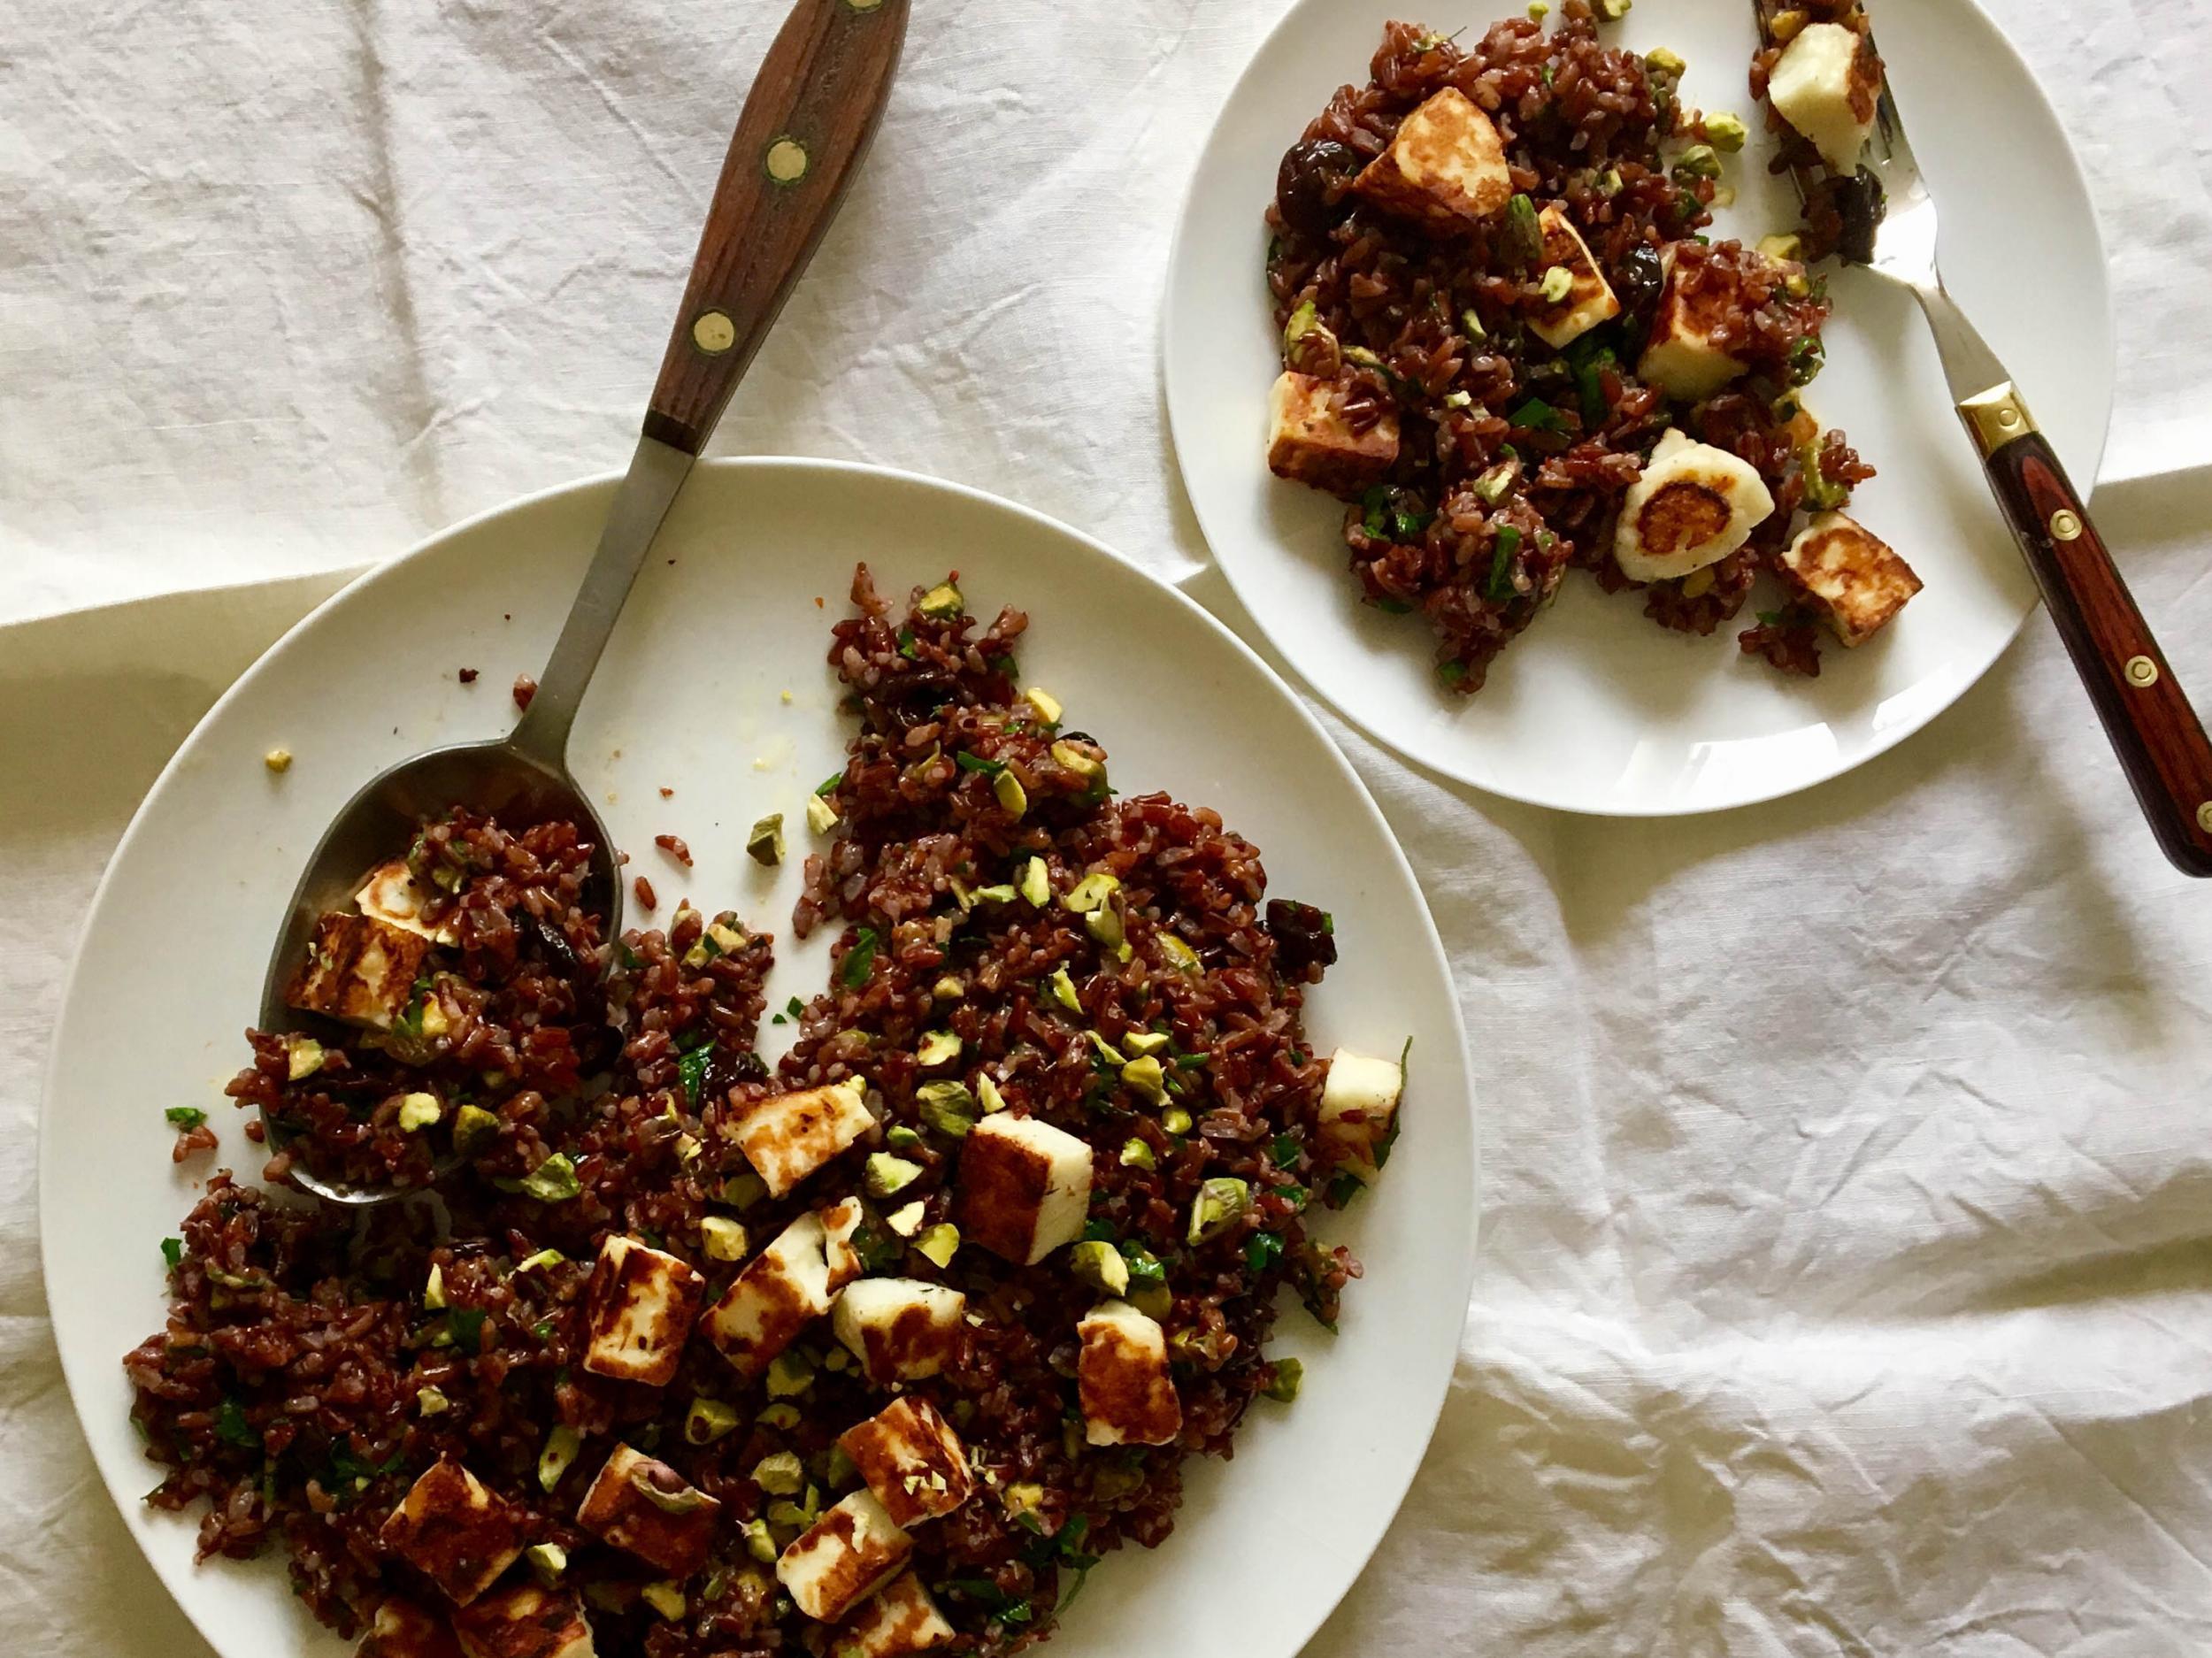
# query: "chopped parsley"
x,y
968,761
1501,562
1536,415
232,1428
691,1069
859,960
185,1116
172,1251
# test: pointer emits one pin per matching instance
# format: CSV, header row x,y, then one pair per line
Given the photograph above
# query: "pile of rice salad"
x,y
875,1352
1498,299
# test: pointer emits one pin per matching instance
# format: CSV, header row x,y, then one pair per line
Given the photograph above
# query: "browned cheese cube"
x,y
912,1459
638,1307
847,1555
454,1531
1121,1378
898,1620
1851,574
1446,167
404,1630
1308,441
1589,298
526,1622
648,1508
358,970
786,1136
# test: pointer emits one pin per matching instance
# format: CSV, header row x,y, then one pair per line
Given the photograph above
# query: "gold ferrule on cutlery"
x,y
1996,418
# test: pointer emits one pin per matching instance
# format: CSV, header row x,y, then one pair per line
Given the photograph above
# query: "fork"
x,y
1890,229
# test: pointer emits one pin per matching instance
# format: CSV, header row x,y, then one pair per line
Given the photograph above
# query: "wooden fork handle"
x,y
813,108
2156,733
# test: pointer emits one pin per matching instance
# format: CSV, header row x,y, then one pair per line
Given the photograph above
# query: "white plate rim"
x,y
1466,1249
1881,744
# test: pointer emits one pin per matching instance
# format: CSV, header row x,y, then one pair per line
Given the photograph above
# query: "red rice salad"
x,y
875,1351
1510,346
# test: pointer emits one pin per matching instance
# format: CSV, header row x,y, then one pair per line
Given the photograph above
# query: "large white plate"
x,y
724,623
1596,708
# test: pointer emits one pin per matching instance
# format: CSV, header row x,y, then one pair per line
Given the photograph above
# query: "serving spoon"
x,y
814,106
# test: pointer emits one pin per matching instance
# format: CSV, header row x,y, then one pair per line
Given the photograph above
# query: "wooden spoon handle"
x,y
812,110
2156,733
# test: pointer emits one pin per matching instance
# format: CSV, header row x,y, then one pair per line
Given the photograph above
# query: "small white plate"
x,y
733,612
1596,708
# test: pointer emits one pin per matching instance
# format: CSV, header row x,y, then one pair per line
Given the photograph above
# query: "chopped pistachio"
x,y
1073,759
1459,400
1107,1051
689,1149
887,1174
1666,62
553,1181
1091,892
907,1220
938,1047
1147,1077
432,1402
1699,161
1136,1154
1036,884
944,601
1727,132
664,1598
548,1561
947,1107
791,1516
1099,1265
760,1543
1220,1203
418,1111
724,1239
1610,183
1302,322
783,1418
1011,796
987,1096
1002,892
821,816
1063,990
1142,1042
561,1446
708,1420
740,1192
1614,11
1154,1300
780,1474
1176,1120
1789,24
1105,925
835,1359
303,1056
277,760
1557,282
789,1374
901,1138
1180,956
1023,1497
474,1126
433,1289
1288,1374
939,1244
1785,247
948,989
1047,706
542,1258
1493,486
1723,195
764,844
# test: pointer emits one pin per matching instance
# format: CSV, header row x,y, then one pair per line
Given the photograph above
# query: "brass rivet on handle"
x,y
785,161
2066,525
713,332
2204,817
2008,418
863,5
2142,671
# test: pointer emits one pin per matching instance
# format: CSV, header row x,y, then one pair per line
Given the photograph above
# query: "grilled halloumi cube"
x,y
526,1621
1025,1187
638,1309
900,1329
786,1136
912,1459
454,1531
1852,574
1446,167
1682,358
392,895
1589,300
897,1620
1309,442
402,1630
647,1507
1826,84
782,1289
1359,1107
847,1555
358,970
841,1223
1693,506
1122,1379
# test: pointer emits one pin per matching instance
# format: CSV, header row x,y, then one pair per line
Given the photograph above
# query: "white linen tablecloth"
x,y
1846,1281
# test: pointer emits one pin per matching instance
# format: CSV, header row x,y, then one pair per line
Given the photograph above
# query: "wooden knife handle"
x,y
2153,730
812,110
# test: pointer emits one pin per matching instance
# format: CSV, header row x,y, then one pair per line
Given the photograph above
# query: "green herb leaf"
x,y
1098,1232
968,761
185,1115
1146,1269
172,1251
691,1069
1376,503
1536,415
232,1428
1393,607
906,644
1262,1250
1501,562
1770,618
828,785
859,960
465,1324
1283,1150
